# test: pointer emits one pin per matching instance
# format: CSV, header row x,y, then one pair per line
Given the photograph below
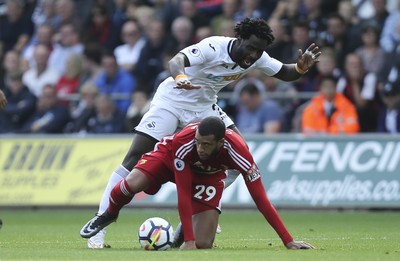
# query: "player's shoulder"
x,y
187,133
216,43
234,140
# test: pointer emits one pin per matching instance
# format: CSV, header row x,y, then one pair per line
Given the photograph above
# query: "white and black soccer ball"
x,y
156,234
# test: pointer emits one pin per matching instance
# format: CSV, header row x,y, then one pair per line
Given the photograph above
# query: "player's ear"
x,y
221,142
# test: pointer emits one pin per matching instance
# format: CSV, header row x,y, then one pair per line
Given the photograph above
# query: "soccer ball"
x,y
156,234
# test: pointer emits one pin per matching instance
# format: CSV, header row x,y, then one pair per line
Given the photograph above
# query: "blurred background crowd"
x,y
92,66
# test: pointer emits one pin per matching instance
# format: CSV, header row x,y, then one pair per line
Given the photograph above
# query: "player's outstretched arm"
x,y
295,245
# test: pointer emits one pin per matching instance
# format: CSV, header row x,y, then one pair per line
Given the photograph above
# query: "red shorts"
x,y
206,189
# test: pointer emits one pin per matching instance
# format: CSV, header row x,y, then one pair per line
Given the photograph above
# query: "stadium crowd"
x,y
91,66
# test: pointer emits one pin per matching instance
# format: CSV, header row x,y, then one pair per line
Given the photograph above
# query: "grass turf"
x,y
54,235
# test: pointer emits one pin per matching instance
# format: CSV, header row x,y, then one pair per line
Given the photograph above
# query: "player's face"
x,y
207,146
249,51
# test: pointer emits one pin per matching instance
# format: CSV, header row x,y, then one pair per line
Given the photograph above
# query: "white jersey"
x,y
212,69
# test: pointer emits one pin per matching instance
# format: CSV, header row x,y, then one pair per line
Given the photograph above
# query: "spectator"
x,y
128,53
67,13
11,62
380,14
69,43
98,26
44,37
337,37
372,55
281,48
390,37
83,109
189,10
45,13
389,116
181,34
116,81
91,62
229,8
15,28
287,12
20,106
139,106
329,112
348,11
300,36
107,119
251,9
311,12
70,81
42,74
150,58
256,113
49,117
285,95
360,88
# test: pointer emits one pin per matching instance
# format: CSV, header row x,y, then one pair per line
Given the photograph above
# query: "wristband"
x,y
299,70
181,78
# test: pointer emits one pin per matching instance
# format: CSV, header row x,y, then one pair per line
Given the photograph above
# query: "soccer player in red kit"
x,y
195,159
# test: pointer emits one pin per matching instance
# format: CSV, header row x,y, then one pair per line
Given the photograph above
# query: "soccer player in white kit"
x,y
198,73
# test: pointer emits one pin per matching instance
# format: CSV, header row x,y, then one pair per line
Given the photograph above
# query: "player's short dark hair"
x,y
212,126
258,27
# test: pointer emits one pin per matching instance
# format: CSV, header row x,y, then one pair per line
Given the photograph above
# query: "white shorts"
x,y
160,121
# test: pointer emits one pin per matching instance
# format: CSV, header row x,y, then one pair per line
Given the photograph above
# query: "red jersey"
x,y
180,155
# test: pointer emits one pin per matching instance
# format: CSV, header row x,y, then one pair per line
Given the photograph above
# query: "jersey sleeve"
x,y
257,192
244,162
201,52
270,66
183,181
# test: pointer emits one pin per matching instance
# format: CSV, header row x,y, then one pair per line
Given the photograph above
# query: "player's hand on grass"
x,y
299,245
188,245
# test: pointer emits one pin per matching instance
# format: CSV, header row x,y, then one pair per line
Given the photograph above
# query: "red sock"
x,y
119,197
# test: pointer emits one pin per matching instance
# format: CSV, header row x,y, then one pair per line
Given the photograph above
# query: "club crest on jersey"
x,y
151,125
253,173
195,51
179,164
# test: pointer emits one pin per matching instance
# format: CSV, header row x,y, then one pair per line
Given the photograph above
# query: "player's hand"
x,y
3,100
307,59
295,245
188,245
182,82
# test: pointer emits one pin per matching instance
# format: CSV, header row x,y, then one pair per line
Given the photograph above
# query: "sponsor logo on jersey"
x,y
151,125
253,173
229,78
179,164
195,51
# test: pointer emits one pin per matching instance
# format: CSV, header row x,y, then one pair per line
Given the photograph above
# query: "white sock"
x,y
232,175
119,174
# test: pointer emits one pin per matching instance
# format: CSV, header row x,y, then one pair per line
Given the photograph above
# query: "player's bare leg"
x,y
140,144
121,195
205,224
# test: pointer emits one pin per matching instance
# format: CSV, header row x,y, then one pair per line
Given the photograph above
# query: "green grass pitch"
x,y
54,235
